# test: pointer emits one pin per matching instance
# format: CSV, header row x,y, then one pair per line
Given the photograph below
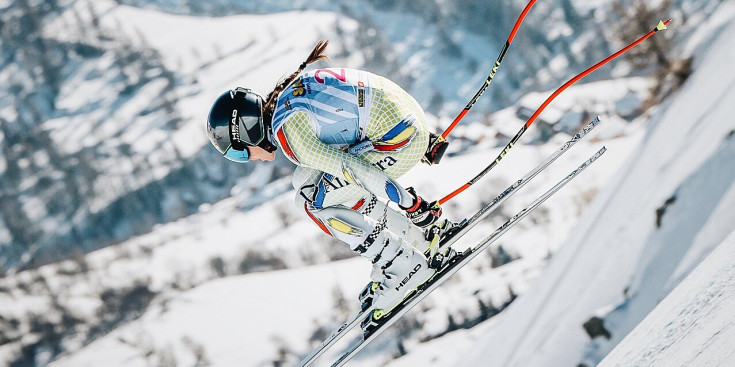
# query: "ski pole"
x,y
661,26
492,72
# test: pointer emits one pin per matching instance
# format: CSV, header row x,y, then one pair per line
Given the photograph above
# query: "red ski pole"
x,y
492,72
661,26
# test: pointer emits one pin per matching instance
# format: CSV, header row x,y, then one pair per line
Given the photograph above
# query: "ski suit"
x,y
352,133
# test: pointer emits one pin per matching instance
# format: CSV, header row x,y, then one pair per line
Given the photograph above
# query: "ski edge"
x,y
485,211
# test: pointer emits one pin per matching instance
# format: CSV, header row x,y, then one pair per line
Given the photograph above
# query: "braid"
x,y
317,53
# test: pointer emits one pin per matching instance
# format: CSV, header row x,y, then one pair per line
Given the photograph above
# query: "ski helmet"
x,y
235,123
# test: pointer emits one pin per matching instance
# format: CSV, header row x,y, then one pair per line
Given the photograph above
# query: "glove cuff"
x,y
417,201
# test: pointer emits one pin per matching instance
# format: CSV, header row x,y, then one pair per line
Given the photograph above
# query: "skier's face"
x,y
260,154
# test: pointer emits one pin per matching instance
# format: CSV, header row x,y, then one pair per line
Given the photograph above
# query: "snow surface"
x,y
238,329
693,325
616,264
617,259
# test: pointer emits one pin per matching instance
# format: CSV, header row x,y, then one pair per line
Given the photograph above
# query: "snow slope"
x,y
250,323
617,265
693,325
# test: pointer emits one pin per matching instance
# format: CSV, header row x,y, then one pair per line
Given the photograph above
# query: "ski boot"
x,y
398,279
436,254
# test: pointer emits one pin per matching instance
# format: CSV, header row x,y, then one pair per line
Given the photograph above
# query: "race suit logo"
x,y
333,183
386,162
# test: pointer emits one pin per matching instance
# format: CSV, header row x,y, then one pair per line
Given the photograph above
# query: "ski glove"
x,y
422,213
437,146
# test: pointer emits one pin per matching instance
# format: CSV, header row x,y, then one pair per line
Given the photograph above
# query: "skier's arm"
x,y
309,151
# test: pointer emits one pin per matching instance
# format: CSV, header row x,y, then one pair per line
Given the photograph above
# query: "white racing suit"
x,y
352,133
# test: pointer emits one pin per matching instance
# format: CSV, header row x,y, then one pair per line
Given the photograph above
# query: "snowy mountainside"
x,y
225,261
693,325
118,90
662,214
250,327
122,147
671,204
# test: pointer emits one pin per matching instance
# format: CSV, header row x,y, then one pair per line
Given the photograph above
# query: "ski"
x,y
457,263
467,224
334,337
453,235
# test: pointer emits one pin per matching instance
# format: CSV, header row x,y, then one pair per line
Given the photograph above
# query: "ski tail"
x,y
334,337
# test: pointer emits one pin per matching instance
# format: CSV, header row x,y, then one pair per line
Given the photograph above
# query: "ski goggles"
x,y
239,156
246,122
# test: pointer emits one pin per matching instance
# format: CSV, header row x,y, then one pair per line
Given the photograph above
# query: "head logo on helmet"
x,y
235,123
234,128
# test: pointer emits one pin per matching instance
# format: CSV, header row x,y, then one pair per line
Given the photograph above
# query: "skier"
x,y
351,133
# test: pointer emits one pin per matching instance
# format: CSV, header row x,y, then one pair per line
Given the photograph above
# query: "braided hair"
x,y
317,53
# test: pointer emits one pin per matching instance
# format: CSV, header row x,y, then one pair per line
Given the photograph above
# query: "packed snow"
x,y
693,325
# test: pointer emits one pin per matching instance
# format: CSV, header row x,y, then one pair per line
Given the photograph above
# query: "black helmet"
x,y
235,123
